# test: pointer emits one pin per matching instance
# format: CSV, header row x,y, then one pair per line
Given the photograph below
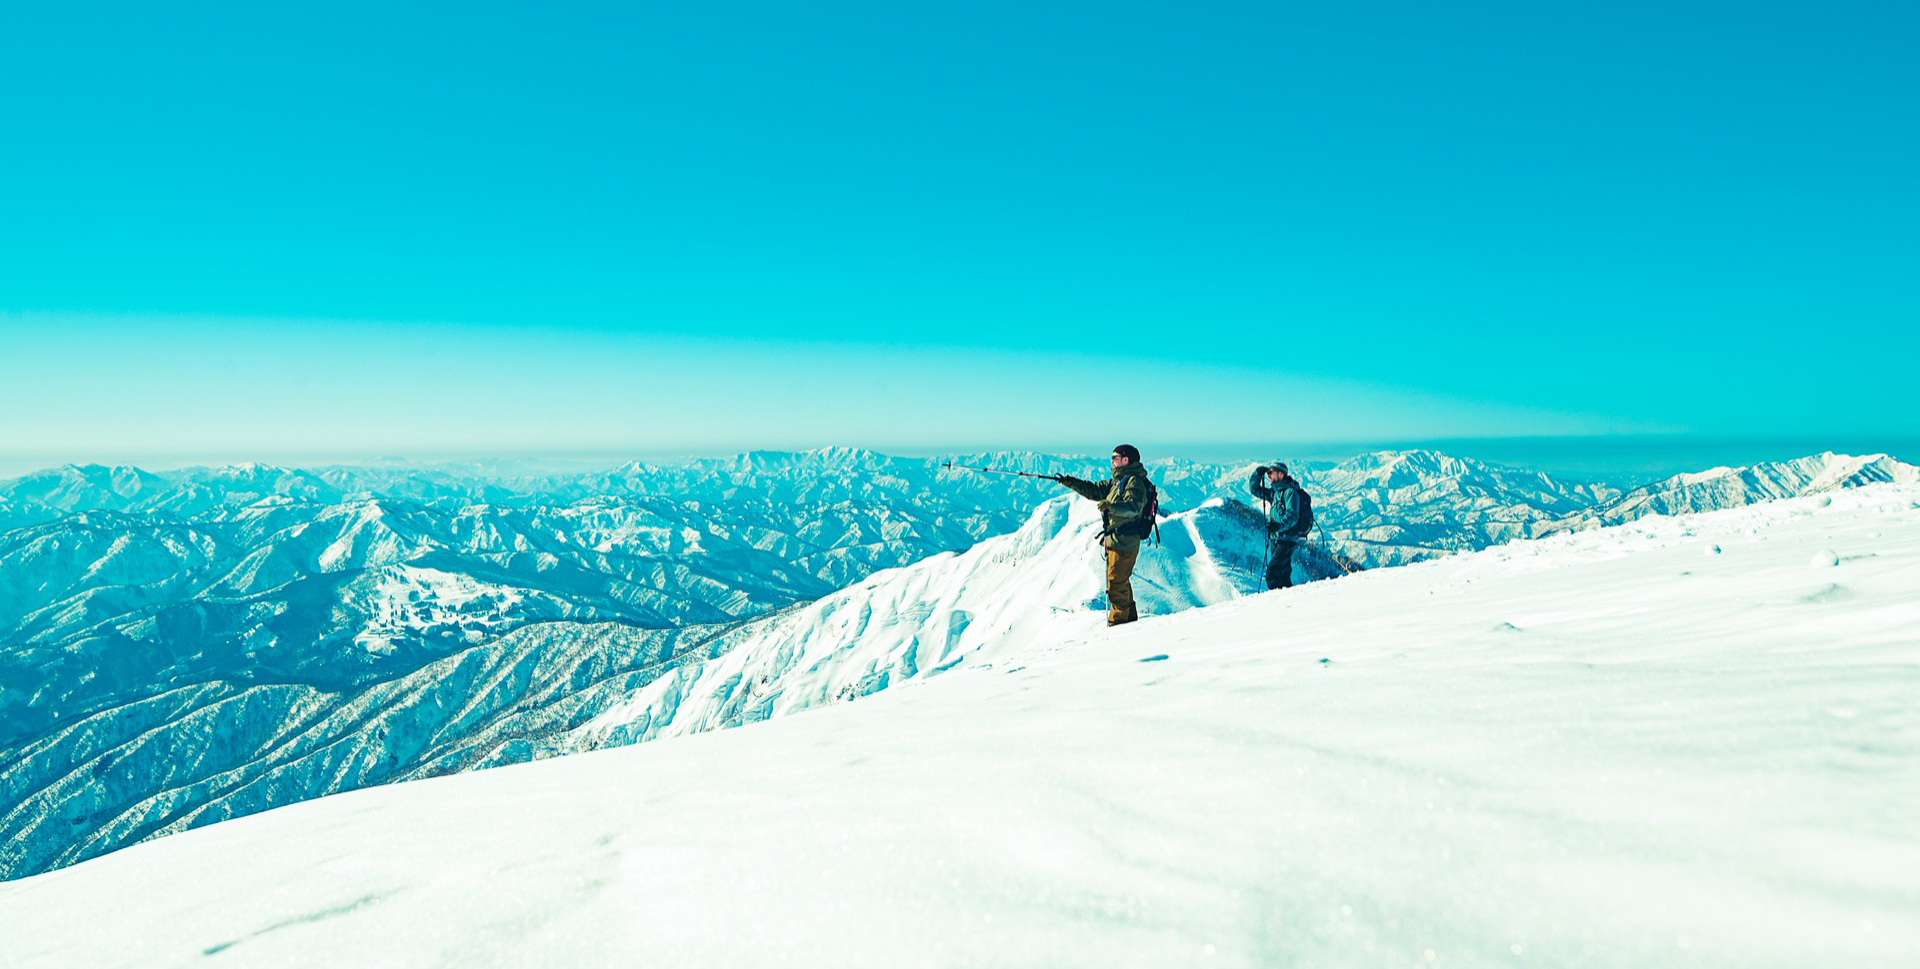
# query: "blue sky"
x,y
355,229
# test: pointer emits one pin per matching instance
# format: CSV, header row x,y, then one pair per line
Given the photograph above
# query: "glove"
x,y
1261,470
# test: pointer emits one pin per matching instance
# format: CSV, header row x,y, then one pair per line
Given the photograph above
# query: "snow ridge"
x,y
1721,488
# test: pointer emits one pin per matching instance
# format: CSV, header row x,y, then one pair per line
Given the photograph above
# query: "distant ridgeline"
x,y
184,647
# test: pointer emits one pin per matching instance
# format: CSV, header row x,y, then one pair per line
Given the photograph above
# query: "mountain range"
x,y
1687,741
184,647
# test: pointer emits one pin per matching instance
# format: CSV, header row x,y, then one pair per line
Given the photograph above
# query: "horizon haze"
x,y
1618,457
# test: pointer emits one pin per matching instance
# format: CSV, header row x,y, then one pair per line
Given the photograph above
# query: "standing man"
x,y
1289,518
1124,499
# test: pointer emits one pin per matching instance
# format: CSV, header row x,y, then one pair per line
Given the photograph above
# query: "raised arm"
x,y
1258,484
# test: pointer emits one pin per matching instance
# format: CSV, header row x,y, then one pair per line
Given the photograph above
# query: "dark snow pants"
x,y
1280,564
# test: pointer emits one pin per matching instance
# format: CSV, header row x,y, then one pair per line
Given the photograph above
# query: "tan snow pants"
x,y
1120,585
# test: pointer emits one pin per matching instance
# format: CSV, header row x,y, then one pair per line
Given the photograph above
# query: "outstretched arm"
x,y
1087,489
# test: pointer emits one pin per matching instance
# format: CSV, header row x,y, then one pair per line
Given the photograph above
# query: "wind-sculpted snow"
x,y
180,648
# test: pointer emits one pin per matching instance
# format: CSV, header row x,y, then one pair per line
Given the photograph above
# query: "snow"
x,y
1599,749
411,600
989,602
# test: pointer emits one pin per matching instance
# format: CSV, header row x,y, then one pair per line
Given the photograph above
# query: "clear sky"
x,y
255,231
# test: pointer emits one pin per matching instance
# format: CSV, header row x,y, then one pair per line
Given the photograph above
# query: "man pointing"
x,y
1124,500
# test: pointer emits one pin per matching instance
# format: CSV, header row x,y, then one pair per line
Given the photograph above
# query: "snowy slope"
x,y
994,600
207,748
303,633
322,619
1683,742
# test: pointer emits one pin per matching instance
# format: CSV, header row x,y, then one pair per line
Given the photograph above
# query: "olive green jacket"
x,y
1122,498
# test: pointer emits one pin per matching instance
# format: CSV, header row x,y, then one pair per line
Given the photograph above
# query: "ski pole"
x,y
1266,539
1023,474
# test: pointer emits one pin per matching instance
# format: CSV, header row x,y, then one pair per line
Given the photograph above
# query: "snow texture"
x,y
1599,749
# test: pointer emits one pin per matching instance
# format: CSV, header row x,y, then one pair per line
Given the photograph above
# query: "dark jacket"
x,y
1122,498
1283,510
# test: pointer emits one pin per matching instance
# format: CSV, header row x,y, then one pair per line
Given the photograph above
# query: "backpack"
x,y
1147,525
1303,521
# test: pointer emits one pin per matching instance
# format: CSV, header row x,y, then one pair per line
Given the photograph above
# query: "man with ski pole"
x,y
1289,519
1127,503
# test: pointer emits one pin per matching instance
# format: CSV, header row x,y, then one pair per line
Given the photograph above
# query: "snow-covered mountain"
x,y
1733,487
190,581
1395,507
112,772
803,479
1684,742
183,648
899,625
